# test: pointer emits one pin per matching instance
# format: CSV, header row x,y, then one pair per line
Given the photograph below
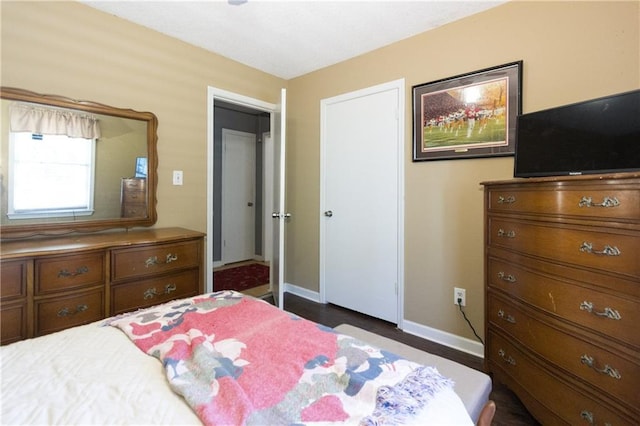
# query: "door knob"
x,y
328,213
250,204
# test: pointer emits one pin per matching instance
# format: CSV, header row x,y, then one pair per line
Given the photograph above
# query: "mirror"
x,y
127,141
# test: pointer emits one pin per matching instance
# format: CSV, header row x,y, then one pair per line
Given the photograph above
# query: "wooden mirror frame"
x,y
59,228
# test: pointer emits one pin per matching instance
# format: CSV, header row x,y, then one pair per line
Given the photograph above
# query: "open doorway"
x,y
273,157
240,255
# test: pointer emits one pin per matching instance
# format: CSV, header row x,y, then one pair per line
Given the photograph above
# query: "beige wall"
x,y
70,49
571,51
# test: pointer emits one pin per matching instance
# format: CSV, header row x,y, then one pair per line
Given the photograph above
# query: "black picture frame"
x,y
471,115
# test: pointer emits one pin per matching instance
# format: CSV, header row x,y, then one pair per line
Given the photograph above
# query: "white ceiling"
x,y
292,38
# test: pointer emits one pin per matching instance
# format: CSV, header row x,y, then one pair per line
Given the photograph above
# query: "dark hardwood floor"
x,y
510,410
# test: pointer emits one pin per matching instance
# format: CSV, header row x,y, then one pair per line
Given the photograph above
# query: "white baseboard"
x,y
442,337
314,296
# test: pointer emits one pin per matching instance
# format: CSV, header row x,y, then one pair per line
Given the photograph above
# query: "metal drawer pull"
x,y
65,312
509,200
503,233
81,270
506,317
608,250
150,293
608,312
589,417
606,202
608,370
508,359
154,260
508,278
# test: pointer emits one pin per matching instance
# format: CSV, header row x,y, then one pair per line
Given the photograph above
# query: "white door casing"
x,y
238,195
361,206
214,94
278,124
267,196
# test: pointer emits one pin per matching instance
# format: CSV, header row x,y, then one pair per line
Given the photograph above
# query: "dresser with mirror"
x,y
70,260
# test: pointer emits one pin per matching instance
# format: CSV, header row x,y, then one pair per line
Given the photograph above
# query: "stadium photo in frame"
x,y
470,115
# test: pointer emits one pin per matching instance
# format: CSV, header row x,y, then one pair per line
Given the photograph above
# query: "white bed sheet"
x,y
86,375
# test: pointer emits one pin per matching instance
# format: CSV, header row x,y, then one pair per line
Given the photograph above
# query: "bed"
x,y
222,358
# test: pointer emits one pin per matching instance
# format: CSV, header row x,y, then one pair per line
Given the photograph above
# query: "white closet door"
x,y
360,223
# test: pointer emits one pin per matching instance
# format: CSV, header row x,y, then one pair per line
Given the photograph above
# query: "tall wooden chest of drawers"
x,y
562,266
51,284
133,197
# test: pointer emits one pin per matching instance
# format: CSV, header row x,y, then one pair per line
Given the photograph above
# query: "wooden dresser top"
x,y
580,178
82,242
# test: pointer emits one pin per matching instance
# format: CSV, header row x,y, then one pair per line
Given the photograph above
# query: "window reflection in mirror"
x,y
50,176
121,143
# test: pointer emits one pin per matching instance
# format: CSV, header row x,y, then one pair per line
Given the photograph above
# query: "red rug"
x,y
241,277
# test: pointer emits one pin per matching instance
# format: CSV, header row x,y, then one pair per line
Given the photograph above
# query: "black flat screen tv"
x,y
596,136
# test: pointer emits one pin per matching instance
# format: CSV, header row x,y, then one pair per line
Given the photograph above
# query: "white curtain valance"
x,y
52,121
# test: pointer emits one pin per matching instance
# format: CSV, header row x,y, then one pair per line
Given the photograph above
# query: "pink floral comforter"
x,y
239,360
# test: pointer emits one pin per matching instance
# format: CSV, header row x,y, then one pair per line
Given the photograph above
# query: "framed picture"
x,y
467,116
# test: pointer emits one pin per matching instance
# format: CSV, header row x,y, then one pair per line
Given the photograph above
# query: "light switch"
x,y
177,177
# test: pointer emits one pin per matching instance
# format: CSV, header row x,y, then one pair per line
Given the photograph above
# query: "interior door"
x,y
361,232
238,195
278,124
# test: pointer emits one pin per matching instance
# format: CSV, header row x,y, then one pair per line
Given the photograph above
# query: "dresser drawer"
x,y
600,248
559,396
54,314
587,202
13,320
134,197
14,279
609,315
148,260
141,294
61,273
608,371
134,185
134,210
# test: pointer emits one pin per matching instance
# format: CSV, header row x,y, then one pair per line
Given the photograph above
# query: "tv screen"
x,y
596,136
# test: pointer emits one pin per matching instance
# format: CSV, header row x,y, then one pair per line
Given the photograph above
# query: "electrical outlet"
x,y
459,294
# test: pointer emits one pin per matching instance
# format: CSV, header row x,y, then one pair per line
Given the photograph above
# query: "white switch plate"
x,y
177,177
